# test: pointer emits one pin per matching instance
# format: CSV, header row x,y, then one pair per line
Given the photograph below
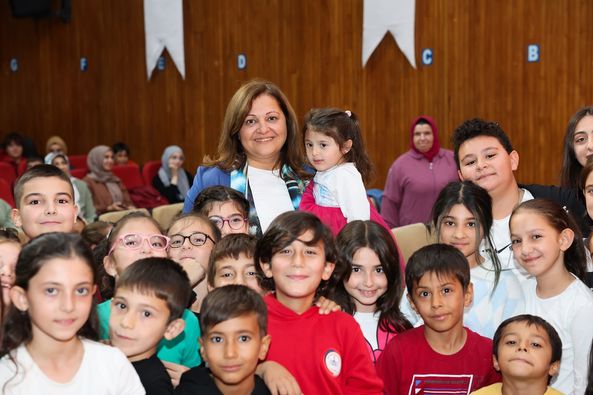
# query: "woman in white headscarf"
x,y
109,193
172,181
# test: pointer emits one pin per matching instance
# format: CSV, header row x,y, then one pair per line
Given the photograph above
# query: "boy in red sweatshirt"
x,y
326,353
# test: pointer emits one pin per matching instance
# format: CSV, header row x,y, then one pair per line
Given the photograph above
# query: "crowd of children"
x,y
320,303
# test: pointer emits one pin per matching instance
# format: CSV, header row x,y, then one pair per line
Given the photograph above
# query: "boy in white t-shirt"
x,y
484,154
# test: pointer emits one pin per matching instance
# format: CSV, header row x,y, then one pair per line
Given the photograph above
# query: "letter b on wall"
x,y
533,53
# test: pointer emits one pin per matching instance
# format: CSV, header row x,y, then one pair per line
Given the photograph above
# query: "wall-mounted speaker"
x,y
41,9
30,8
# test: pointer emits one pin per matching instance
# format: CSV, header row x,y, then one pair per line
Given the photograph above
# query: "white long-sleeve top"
x,y
342,186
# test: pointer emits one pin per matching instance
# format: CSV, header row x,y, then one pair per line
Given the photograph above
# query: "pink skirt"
x,y
333,218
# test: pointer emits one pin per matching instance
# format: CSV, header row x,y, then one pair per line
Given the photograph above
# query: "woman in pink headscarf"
x,y
109,193
416,177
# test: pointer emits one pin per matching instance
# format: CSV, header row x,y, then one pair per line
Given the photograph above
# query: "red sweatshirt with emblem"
x,y
327,354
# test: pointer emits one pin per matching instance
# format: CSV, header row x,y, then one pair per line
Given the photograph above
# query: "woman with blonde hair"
x,y
56,144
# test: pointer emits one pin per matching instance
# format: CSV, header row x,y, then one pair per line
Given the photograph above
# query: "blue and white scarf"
x,y
294,185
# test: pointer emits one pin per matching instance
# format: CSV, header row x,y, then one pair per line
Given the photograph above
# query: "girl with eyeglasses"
x,y
192,238
226,208
134,237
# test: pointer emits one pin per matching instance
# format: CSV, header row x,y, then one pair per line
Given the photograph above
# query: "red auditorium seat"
x,y
22,166
6,192
79,173
78,162
149,170
7,172
130,175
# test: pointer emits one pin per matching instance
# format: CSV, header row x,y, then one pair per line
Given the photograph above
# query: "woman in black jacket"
x,y
172,181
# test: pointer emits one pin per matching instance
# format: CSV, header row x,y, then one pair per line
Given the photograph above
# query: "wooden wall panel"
x,y
312,50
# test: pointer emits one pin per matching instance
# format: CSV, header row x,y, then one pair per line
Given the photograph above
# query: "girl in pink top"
x,y
368,282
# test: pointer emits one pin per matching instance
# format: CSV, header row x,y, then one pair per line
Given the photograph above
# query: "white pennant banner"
x,y
395,16
163,28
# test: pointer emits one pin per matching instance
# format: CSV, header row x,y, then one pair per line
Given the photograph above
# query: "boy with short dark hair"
x,y
473,128
44,199
327,354
234,339
484,155
231,262
150,297
442,354
33,161
527,351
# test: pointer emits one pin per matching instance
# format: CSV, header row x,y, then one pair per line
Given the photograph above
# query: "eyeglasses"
x,y
235,221
133,241
198,239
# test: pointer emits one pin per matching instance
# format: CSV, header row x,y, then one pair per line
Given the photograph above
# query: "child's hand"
x,y
327,306
175,371
278,380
